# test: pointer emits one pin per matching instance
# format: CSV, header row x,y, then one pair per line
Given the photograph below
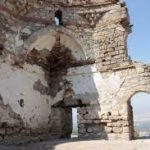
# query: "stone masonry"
x,y
46,70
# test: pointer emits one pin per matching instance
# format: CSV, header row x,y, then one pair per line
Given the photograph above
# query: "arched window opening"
x,y
139,115
58,18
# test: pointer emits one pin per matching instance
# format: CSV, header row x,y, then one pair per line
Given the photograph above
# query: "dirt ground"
x,y
82,145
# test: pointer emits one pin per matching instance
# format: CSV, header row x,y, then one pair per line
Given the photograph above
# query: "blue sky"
x,y
139,39
139,46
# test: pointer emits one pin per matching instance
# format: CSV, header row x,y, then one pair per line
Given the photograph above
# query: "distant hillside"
x,y
144,117
142,126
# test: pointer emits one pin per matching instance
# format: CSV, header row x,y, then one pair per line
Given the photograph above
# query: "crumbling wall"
x,y
79,19
111,38
129,82
36,82
10,122
24,111
56,63
107,113
46,70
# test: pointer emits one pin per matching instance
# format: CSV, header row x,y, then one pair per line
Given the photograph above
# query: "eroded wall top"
x,y
100,27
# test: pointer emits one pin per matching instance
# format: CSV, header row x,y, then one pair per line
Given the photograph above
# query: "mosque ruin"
x,y
48,69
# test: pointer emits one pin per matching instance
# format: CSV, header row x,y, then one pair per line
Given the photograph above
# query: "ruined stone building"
x,y
46,70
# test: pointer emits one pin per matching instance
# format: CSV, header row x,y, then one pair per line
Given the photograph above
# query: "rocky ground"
x,y
83,145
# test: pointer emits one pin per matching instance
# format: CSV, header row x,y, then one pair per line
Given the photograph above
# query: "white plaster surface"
x,y
16,84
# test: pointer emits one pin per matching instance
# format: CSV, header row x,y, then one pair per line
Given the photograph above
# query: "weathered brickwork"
x,y
46,70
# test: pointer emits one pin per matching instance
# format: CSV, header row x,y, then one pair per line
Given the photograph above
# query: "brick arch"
x,y
136,80
141,88
67,36
136,92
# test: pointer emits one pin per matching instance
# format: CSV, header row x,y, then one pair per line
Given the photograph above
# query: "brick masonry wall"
x,y
94,31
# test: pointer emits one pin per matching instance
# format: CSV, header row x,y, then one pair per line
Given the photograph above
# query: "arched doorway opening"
x,y
139,115
65,118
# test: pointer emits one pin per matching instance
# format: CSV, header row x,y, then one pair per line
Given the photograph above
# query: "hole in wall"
x,y
58,17
1,49
21,102
103,60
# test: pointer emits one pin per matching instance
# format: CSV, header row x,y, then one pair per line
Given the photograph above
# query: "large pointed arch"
x,y
46,38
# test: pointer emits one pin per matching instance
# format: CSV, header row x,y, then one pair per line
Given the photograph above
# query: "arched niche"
x,y
46,40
